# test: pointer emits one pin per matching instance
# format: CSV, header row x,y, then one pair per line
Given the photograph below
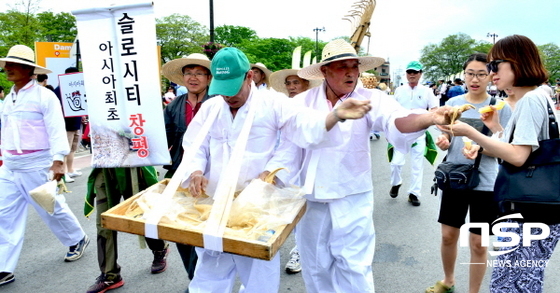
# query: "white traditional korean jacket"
x,y
343,165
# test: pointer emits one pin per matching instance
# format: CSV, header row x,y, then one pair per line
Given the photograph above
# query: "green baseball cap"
x,y
414,65
228,68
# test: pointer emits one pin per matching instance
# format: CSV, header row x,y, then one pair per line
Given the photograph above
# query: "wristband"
x,y
480,150
335,113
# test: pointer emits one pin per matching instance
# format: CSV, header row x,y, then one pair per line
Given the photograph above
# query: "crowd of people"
x,y
305,119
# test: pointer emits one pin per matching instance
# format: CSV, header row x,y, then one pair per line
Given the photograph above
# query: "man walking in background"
x,y
412,96
33,143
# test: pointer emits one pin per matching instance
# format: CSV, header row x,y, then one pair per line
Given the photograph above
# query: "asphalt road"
x,y
407,257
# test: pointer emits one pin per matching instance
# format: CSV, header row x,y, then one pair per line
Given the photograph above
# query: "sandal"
x,y
439,287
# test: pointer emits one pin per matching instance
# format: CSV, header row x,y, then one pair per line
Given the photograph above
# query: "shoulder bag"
x,y
538,180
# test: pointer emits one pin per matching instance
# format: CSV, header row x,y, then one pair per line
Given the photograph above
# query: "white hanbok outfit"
x,y
216,271
419,97
33,136
336,236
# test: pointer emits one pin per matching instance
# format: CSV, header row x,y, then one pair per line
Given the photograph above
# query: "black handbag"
x,y
538,180
458,176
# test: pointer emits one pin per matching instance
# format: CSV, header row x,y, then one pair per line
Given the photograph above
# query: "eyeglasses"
x,y
412,72
197,74
480,76
493,65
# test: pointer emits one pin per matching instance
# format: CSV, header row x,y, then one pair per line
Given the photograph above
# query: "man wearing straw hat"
x,y
34,142
261,76
336,235
287,81
243,106
193,72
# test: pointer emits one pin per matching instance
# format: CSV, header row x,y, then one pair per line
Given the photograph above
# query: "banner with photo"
x,y
73,94
121,76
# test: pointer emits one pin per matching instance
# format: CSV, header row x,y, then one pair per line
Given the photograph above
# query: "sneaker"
x,y
394,191
6,277
293,266
74,174
68,179
77,251
159,265
103,284
413,199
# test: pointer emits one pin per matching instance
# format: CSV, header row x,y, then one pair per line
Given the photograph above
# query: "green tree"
x,y
446,58
308,44
275,53
17,28
482,47
233,36
179,35
550,54
59,27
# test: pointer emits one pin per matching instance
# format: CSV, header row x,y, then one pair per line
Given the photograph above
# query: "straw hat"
x,y
266,71
278,79
338,50
173,70
22,54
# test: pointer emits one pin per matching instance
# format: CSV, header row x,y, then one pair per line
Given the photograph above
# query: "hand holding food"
x,y
468,142
457,111
499,105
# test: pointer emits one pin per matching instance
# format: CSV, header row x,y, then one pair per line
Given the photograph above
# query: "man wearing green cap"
x,y
412,96
241,104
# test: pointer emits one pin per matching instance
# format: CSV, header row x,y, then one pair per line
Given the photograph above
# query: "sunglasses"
x,y
493,65
412,72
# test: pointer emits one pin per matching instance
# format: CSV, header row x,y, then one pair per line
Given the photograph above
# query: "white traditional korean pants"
x,y
336,242
14,200
416,166
216,271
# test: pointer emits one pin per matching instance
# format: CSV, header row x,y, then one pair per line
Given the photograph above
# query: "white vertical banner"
x,y
120,65
73,94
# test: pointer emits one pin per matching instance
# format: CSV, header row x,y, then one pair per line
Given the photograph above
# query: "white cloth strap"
x,y
153,218
311,172
219,214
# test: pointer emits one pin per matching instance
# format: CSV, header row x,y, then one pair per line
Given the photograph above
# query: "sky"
x,y
399,28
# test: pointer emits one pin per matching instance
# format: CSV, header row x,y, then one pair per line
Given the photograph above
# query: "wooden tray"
x,y
115,219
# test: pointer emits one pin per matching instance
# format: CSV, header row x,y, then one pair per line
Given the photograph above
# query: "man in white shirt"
x,y
442,90
261,76
34,142
336,235
412,96
265,113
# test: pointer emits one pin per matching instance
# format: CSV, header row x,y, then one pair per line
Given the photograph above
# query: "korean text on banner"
x,y
121,76
73,94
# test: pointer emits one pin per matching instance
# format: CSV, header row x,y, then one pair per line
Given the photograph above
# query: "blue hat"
x,y
229,68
